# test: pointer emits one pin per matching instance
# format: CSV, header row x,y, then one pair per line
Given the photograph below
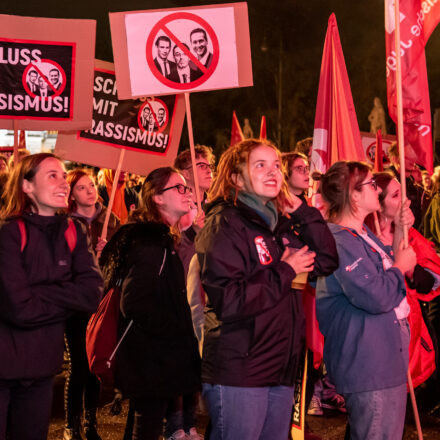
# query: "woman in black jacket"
x,y
81,390
158,359
254,326
47,272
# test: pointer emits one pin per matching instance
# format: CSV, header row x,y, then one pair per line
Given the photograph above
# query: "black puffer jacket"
x,y
254,323
39,288
159,356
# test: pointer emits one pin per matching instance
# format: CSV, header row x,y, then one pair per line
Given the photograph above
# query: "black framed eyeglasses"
x,y
181,189
204,166
302,169
371,182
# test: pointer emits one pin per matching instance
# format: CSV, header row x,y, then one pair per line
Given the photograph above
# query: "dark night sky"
x,y
301,25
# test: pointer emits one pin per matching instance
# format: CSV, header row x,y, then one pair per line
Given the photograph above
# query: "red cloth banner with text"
x,y
336,134
418,19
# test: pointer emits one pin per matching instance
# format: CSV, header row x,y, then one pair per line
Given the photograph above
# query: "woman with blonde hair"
x,y
253,318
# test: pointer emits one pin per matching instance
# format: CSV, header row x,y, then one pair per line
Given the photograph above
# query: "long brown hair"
x,y
73,176
338,183
148,210
16,200
233,161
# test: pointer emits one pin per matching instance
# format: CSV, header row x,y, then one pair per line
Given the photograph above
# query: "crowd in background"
x,y
210,303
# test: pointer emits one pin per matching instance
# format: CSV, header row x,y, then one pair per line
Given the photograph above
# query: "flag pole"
x,y
400,142
15,127
112,195
193,152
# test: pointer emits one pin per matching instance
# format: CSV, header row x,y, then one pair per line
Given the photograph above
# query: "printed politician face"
x,y
160,114
32,76
180,57
54,76
42,83
163,49
199,43
146,112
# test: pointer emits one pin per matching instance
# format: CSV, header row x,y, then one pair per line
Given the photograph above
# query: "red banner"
x,y
336,135
418,18
236,133
263,131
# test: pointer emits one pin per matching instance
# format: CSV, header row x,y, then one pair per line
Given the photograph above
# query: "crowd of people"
x,y
211,306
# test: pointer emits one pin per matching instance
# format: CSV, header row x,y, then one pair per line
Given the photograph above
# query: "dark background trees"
x,y
299,28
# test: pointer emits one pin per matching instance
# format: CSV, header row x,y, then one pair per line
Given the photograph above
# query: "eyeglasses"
x,y
204,166
301,169
371,182
181,189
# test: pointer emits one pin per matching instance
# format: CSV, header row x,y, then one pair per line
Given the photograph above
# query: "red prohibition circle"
x,y
159,129
159,26
32,66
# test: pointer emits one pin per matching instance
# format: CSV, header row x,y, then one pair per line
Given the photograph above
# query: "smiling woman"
x,y
43,279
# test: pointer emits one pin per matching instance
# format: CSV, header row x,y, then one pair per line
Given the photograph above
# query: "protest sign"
x,y
46,68
179,50
148,128
369,145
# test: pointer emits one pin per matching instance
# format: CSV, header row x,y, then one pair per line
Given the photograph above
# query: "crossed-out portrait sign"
x,y
182,50
36,79
169,51
142,124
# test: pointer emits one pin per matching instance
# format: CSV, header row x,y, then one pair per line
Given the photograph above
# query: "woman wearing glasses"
x,y
297,173
362,306
158,360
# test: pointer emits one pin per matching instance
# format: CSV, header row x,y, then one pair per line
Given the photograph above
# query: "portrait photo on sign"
x,y
153,115
44,78
184,57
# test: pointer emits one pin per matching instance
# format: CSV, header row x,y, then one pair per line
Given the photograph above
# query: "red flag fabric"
x,y
378,154
236,133
336,134
263,132
22,139
418,18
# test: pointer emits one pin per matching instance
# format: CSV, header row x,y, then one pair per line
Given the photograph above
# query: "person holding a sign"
x,y
158,360
362,307
252,340
47,273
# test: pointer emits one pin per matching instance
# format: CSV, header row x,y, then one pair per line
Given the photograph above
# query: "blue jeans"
x,y
380,414
241,413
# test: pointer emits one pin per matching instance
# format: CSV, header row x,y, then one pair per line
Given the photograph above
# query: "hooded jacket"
x,y
40,287
254,323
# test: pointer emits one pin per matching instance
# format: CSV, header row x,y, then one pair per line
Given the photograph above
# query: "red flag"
x,y
378,154
22,139
336,135
263,133
236,133
418,18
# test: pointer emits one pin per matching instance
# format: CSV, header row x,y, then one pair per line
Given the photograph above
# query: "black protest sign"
x,y
36,79
138,124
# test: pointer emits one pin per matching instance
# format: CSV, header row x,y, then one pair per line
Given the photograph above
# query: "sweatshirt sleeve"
x,y
365,285
235,289
21,303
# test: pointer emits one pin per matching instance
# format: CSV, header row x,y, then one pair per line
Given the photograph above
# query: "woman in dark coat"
x,y
44,278
158,359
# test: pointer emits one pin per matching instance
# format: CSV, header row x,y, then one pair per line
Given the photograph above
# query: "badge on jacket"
x,y
263,251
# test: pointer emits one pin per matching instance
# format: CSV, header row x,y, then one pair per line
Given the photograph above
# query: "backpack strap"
x,y
23,234
71,235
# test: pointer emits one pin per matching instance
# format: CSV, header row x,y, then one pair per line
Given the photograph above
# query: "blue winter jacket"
x,y
363,349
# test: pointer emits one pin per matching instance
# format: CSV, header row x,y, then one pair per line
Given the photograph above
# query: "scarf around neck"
x,y
267,212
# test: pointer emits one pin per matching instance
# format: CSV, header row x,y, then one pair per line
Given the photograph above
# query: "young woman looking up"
x,y
42,283
362,306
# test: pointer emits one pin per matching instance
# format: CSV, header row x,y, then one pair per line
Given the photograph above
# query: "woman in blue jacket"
x,y
362,307
44,278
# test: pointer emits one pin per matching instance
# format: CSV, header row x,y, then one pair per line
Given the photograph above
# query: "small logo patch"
x,y
353,266
263,251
